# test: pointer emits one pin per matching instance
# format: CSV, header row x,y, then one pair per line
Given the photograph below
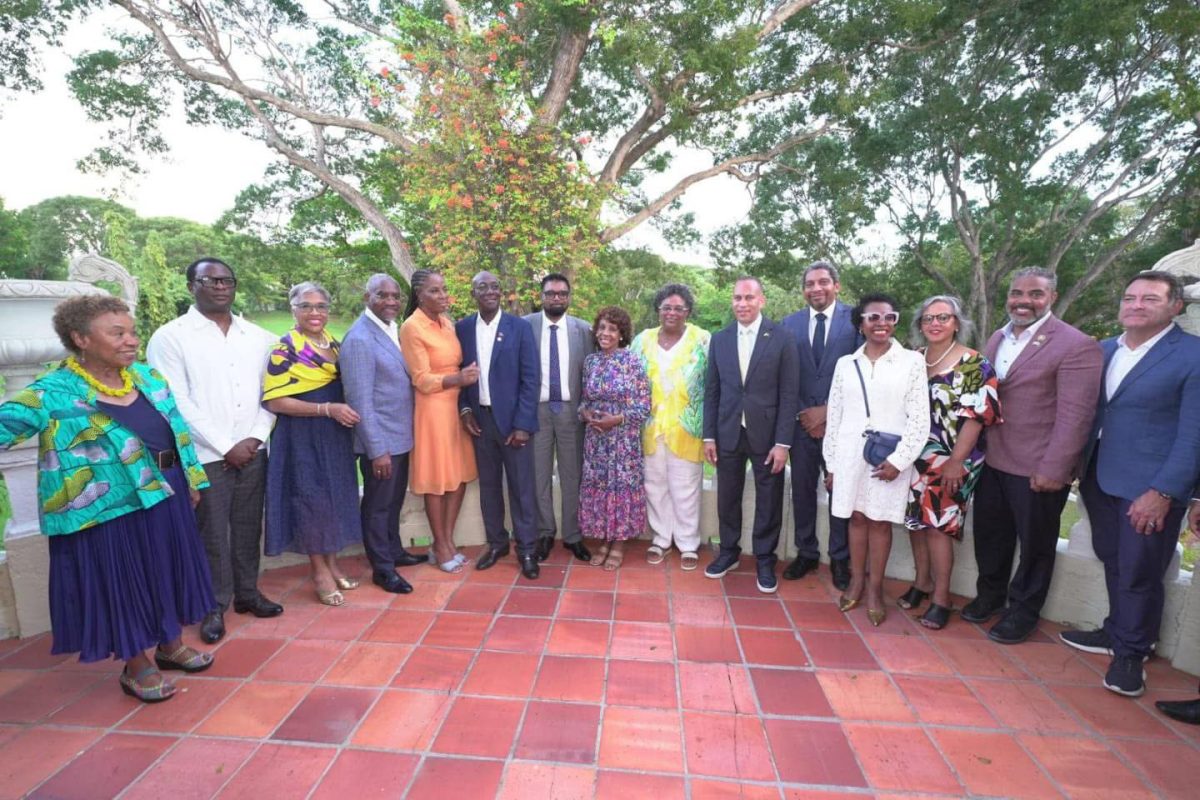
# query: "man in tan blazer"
x,y
1049,380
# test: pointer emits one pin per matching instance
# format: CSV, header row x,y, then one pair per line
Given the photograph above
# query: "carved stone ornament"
x,y
92,268
1186,264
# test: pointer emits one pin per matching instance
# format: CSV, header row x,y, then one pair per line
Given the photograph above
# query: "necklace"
x,y
126,379
945,353
323,345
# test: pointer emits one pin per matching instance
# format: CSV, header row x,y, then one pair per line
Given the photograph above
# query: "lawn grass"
x,y
280,322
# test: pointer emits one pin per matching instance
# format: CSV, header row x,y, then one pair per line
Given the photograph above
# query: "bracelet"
x,y
325,411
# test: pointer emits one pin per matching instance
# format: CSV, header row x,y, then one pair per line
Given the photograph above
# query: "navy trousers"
x,y
768,500
382,501
807,467
497,461
1134,565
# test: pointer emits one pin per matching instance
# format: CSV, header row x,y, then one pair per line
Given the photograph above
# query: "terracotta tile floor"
x,y
646,683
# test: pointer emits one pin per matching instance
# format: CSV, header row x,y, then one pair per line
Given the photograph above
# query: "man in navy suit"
x,y
750,413
1142,464
379,388
823,334
500,412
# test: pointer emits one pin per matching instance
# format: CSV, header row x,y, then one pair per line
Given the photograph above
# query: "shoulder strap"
x,y
863,384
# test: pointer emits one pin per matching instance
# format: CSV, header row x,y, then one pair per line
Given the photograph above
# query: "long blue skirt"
x,y
312,482
130,583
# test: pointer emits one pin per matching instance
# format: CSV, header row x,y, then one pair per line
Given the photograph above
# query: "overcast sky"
x,y
43,135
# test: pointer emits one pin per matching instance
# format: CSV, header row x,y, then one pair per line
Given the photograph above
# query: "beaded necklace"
x,y
126,379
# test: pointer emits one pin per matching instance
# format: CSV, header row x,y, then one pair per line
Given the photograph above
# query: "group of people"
x,y
624,424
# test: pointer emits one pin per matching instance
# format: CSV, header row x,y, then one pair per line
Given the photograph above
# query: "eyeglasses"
x,y
673,309
320,308
556,294
207,281
940,319
890,317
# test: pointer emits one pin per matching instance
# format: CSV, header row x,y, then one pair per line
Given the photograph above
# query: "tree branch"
x,y
781,14
731,166
568,55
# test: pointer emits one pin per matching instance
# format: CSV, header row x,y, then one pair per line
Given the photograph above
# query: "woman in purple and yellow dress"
x,y
963,400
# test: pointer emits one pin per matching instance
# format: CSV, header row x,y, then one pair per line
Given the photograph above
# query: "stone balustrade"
x,y
1077,594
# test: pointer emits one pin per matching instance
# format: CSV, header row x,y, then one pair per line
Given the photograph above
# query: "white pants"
x,y
673,499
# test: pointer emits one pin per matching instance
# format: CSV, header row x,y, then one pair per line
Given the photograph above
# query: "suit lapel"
x,y
760,346
1157,353
802,338
382,339
502,330
1041,340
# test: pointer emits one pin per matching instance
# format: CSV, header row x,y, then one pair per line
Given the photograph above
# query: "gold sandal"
x,y
346,583
333,598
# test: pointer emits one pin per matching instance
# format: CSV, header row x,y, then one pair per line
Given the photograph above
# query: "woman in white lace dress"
x,y
898,397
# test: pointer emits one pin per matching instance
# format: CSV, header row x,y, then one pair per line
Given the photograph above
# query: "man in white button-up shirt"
x,y
214,362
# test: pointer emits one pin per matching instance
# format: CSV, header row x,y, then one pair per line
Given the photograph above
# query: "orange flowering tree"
x,y
496,191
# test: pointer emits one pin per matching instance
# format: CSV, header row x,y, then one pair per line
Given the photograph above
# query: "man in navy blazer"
x,y
378,386
1142,464
500,413
750,413
823,334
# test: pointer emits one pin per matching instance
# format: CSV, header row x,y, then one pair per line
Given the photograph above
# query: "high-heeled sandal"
x,y
331,598
346,583
877,616
846,604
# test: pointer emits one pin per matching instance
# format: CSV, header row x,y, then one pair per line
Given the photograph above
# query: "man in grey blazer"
x,y
562,342
1049,380
378,387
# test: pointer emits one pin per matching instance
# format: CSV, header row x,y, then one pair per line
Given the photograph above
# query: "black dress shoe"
x,y
839,568
490,557
1183,710
981,610
407,559
259,607
799,568
1012,629
213,627
391,582
542,551
579,550
529,566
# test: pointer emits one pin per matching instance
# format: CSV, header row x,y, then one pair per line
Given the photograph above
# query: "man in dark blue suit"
x,y
823,334
750,413
500,412
1142,464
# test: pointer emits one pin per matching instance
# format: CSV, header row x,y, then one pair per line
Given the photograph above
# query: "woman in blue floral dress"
x,y
963,400
615,403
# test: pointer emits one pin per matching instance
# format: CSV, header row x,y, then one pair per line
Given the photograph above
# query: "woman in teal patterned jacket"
x,y
117,480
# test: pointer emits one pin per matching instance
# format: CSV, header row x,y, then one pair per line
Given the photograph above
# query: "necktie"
x,y
555,373
818,342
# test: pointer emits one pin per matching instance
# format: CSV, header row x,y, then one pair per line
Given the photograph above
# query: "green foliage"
x,y
14,244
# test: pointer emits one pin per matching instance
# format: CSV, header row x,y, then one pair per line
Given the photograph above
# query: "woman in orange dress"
x,y
442,460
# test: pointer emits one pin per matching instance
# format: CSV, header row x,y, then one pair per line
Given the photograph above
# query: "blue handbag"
x,y
879,445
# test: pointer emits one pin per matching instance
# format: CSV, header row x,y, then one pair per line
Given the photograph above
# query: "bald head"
x,y
485,288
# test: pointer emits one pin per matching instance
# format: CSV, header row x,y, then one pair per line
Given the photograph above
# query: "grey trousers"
x,y
558,442
230,516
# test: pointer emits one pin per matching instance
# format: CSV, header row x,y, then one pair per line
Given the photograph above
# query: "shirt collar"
x,y
198,320
753,327
1146,345
1029,332
390,327
495,320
